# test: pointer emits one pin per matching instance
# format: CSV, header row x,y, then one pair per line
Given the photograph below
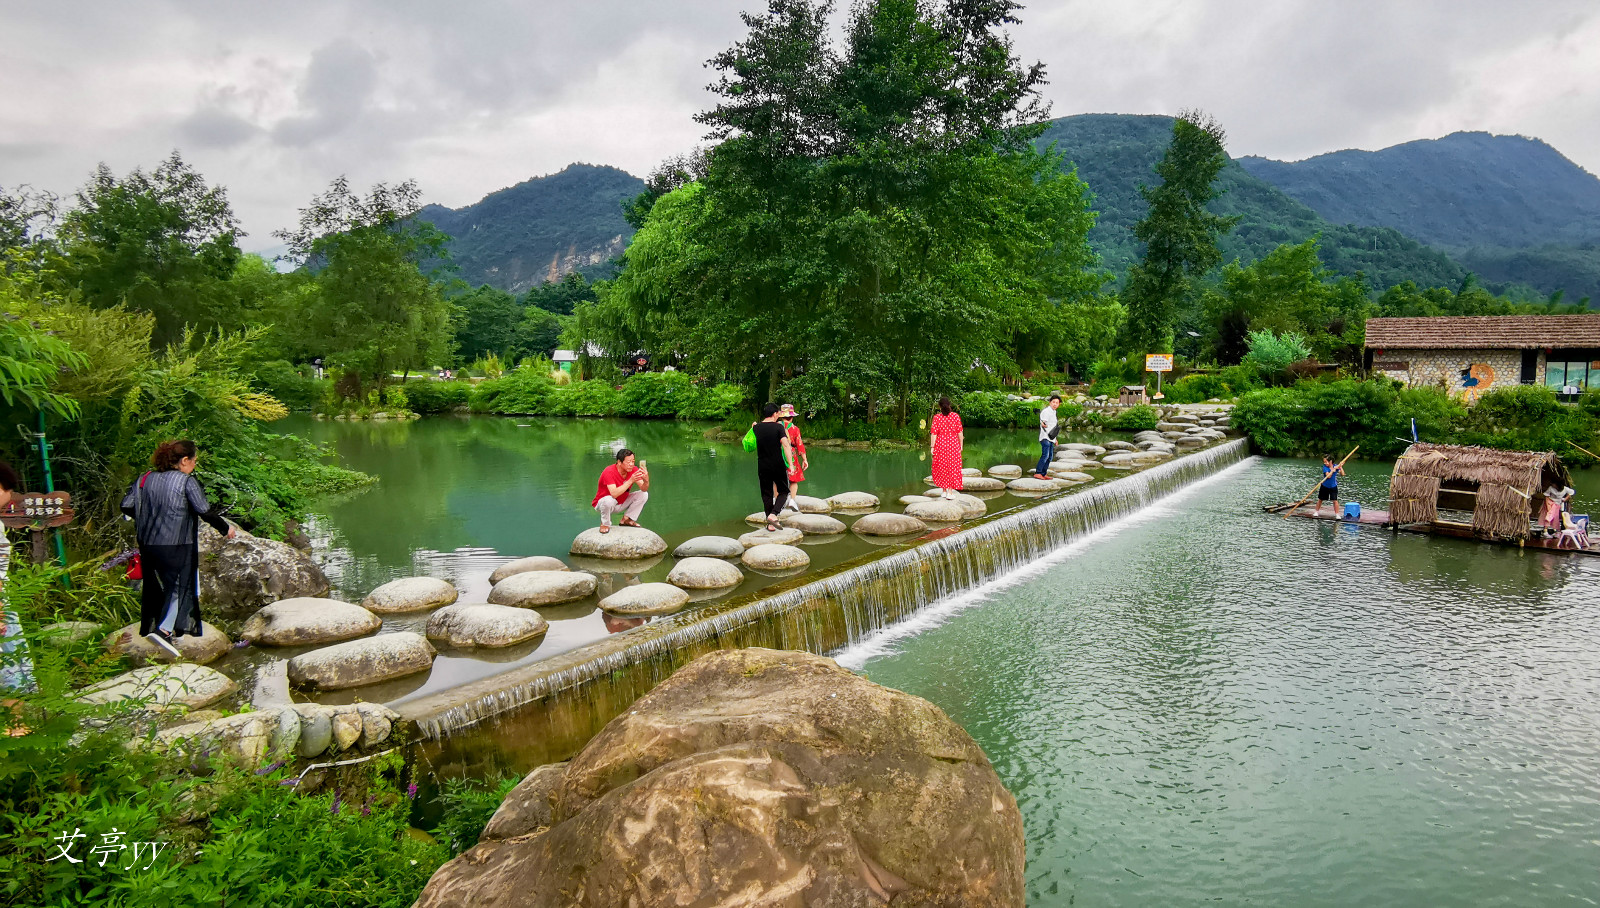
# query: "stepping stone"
x,y
982,484
913,499
854,501
1119,446
1152,456
1029,484
971,507
784,536
208,647
647,599
621,543
929,480
534,588
705,574
1118,458
773,557
362,662
939,511
815,524
164,687
971,471
485,625
809,505
884,524
1074,476
411,594
1082,448
759,519
1006,471
74,631
521,565
709,547
306,620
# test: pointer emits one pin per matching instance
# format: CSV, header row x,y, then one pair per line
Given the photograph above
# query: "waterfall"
x,y
583,689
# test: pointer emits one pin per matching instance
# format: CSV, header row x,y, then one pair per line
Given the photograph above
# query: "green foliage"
x,y
1287,290
718,402
1179,233
523,392
468,805
426,395
1314,418
996,410
585,398
1197,387
292,387
561,297
1406,300
1273,354
656,394
1531,418
31,360
1136,418
486,322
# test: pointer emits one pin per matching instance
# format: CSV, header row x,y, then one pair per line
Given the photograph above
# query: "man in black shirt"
x,y
772,451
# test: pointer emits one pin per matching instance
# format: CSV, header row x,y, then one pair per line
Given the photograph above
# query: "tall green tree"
x,y
162,242
1286,291
1179,234
486,322
561,297
374,310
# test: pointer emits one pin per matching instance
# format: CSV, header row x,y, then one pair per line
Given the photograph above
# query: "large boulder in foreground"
x,y
755,777
362,662
241,575
297,622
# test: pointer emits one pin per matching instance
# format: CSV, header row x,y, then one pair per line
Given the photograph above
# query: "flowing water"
x,y
1203,703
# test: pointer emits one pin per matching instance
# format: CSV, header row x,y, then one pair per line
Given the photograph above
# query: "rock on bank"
x,y
756,777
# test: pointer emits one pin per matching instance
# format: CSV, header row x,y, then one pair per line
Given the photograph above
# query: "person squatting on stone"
x,y
616,491
167,505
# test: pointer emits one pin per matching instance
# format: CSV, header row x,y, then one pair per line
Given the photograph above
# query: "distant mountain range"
x,y
1511,209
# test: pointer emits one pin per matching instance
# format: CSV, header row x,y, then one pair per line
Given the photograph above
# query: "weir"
x,y
546,711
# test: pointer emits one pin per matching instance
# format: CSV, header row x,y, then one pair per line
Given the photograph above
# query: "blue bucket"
x,y
1352,511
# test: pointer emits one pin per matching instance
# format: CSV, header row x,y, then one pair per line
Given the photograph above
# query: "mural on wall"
x,y
1475,380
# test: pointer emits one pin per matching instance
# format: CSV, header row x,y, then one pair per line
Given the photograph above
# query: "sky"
x,y
274,102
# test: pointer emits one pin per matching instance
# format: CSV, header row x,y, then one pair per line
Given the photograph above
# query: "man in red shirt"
x,y
617,493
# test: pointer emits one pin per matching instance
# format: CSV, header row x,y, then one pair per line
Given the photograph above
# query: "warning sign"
x,y
1158,362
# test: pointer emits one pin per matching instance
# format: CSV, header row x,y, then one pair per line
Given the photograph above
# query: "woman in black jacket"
x,y
166,505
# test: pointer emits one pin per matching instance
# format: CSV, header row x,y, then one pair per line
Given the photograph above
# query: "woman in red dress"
x,y
799,463
947,448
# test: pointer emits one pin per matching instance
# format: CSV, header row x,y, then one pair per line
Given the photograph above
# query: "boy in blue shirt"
x,y
1329,490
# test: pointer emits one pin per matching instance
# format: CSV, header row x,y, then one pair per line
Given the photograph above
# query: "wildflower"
x,y
270,767
334,809
411,792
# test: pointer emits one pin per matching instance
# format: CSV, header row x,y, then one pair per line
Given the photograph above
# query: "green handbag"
x,y
750,439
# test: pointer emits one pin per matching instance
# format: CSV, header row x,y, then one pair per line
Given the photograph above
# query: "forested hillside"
x,y
540,229
1116,153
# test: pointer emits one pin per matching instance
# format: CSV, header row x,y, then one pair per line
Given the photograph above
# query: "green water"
x,y
457,497
1206,704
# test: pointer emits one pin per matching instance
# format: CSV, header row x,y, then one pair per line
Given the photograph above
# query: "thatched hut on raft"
x,y
1501,489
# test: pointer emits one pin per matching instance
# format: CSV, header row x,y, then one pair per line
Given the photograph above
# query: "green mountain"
x,y
540,229
1511,208
1116,153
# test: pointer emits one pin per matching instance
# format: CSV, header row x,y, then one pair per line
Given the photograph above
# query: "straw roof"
x,y
1507,483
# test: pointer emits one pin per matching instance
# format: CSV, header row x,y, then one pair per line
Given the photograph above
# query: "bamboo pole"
x,y
1286,514
1583,449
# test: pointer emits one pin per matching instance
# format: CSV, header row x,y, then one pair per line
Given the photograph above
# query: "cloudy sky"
x,y
274,100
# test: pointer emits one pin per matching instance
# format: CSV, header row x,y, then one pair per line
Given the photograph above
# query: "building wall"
x,y
1463,372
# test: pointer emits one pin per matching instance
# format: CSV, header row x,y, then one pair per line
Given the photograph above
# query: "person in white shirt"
x,y
1049,427
1556,497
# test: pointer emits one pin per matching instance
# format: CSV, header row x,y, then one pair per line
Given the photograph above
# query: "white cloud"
x,y
467,98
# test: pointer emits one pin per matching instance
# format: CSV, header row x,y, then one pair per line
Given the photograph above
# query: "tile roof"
x,y
1515,332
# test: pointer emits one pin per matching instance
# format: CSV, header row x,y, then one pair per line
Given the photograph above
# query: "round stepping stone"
x,y
208,647
815,524
982,484
913,499
485,625
1191,441
646,599
938,511
1073,476
709,547
772,557
74,631
1152,456
1119,446
1006,471
622,543
410,594
784,536
928,479
854,501
522,565
889,525
809,505
759,519
362,662
1120,457
306,620
971,471
971,507
164,687
705,574
534,588
1029,484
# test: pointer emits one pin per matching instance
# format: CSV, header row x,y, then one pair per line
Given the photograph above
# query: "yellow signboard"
x,y
1158,362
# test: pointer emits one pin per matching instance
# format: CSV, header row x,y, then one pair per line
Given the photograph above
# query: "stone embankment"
x,y
754,777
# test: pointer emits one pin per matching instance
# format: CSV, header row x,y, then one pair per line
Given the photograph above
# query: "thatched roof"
x,y
1483,332
1507,484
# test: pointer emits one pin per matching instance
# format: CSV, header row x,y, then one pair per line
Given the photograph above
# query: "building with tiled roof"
x,y
1469,355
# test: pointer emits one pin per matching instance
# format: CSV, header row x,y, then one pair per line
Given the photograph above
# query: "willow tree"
x,y
1179,234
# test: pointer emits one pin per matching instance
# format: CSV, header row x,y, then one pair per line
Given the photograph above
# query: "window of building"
x,y
1572,373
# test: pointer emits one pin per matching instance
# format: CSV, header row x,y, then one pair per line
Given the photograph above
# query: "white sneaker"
x,y
164,642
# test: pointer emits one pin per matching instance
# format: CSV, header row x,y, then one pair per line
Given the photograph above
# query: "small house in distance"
x,y
1131,395
1469,355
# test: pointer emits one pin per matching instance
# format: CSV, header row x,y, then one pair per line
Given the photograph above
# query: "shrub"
x,y
1136,419
584,398
468,805
655,395
995,410
1332,417
716,402
1192,389
1531,418
525,392
1273,354
283,381
427,395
